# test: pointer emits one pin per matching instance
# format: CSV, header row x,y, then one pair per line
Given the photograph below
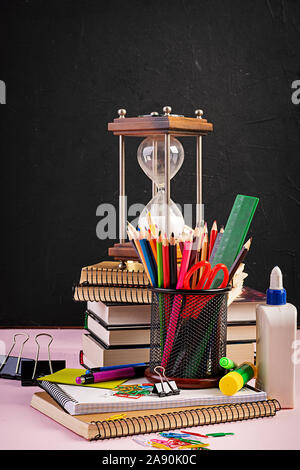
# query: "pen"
x,y
127,372
122,366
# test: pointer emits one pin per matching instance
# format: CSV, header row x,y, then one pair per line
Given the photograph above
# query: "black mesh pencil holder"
x,y
188,335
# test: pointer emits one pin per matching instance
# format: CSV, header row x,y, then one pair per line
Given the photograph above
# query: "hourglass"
x,y
151,157
160,155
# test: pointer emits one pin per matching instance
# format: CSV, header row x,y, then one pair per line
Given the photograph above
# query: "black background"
x,y
70,65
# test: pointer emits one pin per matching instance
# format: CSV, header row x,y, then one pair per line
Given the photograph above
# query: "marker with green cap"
x,y
227,363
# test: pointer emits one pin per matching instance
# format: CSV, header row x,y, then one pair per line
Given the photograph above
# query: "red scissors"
x,y
207,276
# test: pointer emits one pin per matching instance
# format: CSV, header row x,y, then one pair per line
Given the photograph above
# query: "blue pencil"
x,y
148,259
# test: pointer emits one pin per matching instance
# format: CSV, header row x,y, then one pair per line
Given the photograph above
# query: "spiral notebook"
x,y
96,426
109,273
112,294
81,400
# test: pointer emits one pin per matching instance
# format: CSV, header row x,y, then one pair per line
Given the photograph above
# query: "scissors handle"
x,y
205,273
214,272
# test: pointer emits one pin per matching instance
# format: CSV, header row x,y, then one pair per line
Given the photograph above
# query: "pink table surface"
x,y
23,427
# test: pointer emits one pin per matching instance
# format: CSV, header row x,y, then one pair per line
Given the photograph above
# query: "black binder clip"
x,y
165,387
10,366
32,370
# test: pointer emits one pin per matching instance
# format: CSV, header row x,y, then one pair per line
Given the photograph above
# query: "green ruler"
x,y
235,232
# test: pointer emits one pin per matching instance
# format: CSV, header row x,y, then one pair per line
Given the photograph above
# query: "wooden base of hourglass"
x,y
185,383
123,252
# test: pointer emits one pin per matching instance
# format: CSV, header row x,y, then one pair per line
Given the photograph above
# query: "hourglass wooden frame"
x,y
156,124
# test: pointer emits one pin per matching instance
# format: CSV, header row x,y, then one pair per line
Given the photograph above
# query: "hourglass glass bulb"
x,y
156,207
151,158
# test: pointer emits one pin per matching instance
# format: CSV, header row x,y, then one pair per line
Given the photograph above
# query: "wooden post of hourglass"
x,y
122,250
154,168
199,215
122,193
167,110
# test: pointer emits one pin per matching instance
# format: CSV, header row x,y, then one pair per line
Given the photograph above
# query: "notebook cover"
x,y
88,427
81,400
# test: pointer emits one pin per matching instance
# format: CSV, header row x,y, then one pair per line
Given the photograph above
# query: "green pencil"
x,y
160,273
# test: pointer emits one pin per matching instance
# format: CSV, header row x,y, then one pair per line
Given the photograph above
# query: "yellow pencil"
x,y
204,248
151,225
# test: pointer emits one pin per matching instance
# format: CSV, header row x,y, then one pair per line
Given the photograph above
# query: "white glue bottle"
x,y
276,324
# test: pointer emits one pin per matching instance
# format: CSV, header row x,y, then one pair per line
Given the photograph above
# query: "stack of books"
x,y
241,325
117,315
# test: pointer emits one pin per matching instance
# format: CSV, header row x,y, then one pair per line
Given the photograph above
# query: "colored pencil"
x,y
204,248
181,244
212,238
152,227
148,258
136,243
160,273
239,259
203,232
171,332
152,243
160,284
197,249
196,236
216,245
185,262
166,262
173,261
204,252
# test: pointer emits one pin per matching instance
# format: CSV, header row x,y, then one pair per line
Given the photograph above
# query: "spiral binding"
x,y
115,277
111,294
183,419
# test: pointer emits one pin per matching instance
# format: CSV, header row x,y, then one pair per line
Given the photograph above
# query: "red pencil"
x,y
166,262
212,238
